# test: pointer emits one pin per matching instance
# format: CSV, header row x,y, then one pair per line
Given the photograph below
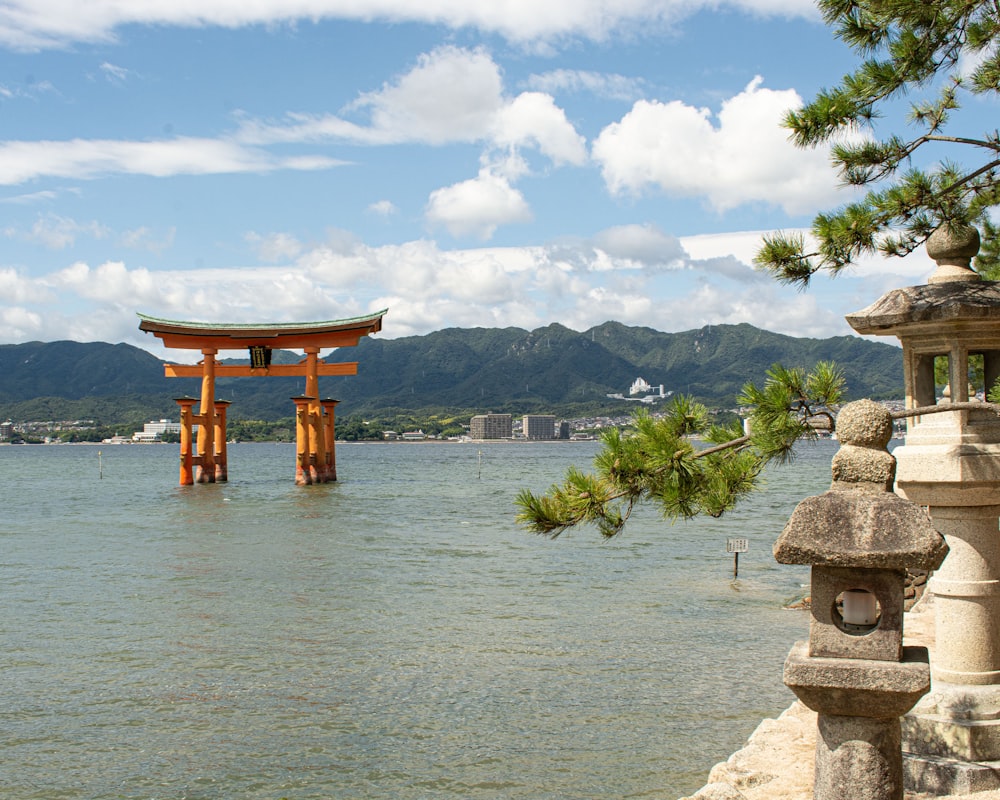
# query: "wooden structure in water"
x,y
205,460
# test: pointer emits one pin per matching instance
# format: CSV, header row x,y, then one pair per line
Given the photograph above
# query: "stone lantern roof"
x,y
860,529
928,306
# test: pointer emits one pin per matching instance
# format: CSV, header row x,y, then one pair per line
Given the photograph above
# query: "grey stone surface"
x,y
955,722
830,637
959,702
941,777
865,423
963,473
968,741
858,758
953,247
864,429
860,529
863,468
913,307
858,687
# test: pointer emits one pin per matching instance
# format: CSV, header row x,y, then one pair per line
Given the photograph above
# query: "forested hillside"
x,y
551,369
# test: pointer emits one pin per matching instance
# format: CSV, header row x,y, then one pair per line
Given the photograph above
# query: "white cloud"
x,y
645,244
614,87
113,73
21,161
451,95
886,273
58,233
18,324
31,197
111,282
635,274
35,24
142,238
275,247
476,207
534,118
741,156
16,288
383,208
30,90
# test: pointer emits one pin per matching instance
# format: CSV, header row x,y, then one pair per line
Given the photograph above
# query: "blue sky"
x,y
518,164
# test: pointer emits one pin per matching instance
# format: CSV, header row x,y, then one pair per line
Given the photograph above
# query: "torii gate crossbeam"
x,y
206,460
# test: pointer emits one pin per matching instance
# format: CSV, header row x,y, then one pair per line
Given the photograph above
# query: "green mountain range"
x,y
548,370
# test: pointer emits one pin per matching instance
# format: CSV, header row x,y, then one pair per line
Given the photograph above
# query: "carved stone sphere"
x,y
864,423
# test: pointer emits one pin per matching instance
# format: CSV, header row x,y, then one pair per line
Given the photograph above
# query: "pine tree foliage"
x,y
660,460
922,50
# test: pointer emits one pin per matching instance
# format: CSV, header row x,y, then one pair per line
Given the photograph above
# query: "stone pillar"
x,y
854,672
967,596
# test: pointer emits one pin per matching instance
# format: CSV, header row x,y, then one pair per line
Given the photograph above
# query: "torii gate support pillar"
x,y
221,455
329,432
303,457
187,454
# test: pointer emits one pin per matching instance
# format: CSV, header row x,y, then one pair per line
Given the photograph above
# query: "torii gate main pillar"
x,y
206,419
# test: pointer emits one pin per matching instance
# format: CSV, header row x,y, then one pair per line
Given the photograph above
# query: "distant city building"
x,y
414,436
6,431
564,429
650,394
639,386
152,431
539,426
491,426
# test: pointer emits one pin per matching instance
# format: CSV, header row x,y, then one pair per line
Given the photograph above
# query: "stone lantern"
x,y
950,464
854,671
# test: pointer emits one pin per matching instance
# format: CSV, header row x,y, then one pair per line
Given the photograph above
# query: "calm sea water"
x,y
393,635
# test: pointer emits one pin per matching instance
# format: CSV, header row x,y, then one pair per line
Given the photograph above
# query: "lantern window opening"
x,y
857,612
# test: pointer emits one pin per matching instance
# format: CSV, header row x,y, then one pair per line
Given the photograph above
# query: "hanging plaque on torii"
x,y
205,461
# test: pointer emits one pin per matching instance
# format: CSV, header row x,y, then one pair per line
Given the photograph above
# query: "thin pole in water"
x,y
737,546
100,466
480,475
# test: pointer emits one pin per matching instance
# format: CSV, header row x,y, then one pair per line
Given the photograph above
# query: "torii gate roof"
x,y
236,336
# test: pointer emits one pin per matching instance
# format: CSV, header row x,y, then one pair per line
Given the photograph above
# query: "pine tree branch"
x,y
972,405
719,448
993,145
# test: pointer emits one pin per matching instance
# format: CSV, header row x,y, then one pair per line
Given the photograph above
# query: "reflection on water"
x,y
393,635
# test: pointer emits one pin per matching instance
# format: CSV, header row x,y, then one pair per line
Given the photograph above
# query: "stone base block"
x,y
858,687
940,777
966,740
955,722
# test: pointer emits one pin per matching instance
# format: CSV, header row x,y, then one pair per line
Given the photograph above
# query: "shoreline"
x,y
776,763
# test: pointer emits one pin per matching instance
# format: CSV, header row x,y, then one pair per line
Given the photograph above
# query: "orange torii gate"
x,y
314,417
